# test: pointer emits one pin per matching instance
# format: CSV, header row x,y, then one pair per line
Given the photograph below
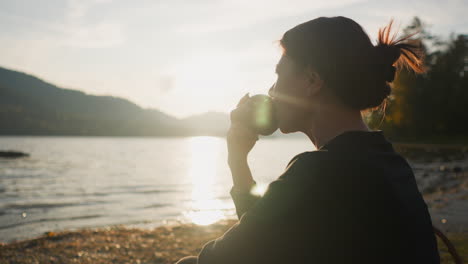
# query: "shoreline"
x,y
118,244
442,178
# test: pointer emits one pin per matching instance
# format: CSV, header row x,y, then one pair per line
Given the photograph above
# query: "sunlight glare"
x,y
205,208
259,189
203,80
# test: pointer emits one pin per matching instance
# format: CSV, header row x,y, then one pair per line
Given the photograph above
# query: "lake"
x,y
82,182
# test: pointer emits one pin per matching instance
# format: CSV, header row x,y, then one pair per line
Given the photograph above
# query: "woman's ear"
x,y
315,82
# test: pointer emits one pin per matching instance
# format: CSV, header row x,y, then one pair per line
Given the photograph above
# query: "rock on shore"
x,y
12,154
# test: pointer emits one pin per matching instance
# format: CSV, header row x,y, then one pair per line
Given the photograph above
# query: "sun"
x,y
201,82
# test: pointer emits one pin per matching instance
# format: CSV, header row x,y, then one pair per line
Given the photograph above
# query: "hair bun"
x,y
389,73
386,56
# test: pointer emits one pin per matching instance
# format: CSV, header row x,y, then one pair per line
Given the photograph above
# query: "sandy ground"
x,y
165,244
122,245
444,185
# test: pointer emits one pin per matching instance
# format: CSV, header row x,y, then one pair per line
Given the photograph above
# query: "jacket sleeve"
x,y
257,234
243,201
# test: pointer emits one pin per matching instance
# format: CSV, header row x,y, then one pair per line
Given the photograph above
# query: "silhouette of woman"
x,y
354,199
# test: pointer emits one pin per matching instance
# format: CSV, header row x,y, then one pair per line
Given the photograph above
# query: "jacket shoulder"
x,y
306,161
308,155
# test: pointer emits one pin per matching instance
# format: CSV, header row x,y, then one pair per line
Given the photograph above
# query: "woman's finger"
x,y
241,113
239,130
244,99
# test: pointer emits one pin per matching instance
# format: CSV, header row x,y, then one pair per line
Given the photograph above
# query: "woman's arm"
x,y
240,140
241,175
241,192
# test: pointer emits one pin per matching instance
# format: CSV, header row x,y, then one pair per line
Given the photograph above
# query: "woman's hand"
x,y
240,138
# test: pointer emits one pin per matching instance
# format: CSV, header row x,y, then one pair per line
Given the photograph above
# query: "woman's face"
x,y
289,95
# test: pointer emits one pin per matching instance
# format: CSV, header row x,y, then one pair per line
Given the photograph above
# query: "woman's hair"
x,y
353,69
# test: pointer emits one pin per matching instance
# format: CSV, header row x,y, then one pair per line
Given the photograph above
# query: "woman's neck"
x,y
331,122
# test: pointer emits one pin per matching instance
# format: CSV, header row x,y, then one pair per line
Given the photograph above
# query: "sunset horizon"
x,y
166,55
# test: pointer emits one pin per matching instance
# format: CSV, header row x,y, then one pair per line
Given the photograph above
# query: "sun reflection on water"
x,y
205,208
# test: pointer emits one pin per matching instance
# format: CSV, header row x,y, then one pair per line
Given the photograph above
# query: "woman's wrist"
x,y
241,175
237,159
243,189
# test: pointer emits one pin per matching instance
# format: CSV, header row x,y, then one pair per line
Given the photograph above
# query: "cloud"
x,y
77,9
73,29
84,35
165,83
377,13
228,15
101,35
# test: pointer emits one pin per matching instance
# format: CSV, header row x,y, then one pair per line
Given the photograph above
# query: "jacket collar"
x,y
359,140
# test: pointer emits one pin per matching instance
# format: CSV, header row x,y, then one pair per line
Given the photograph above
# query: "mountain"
x,y
206,123
31,106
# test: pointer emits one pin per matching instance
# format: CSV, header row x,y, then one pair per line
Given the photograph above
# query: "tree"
x,y
430,106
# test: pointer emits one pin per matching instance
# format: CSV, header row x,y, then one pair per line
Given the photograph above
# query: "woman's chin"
x,y
287,130
288,125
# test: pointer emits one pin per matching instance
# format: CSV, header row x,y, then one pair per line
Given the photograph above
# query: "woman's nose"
x,y
271,91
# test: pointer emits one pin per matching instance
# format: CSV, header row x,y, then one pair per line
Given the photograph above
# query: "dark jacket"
x,y
355,200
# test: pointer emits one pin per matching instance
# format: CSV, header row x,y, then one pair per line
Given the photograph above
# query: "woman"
x,y
354,199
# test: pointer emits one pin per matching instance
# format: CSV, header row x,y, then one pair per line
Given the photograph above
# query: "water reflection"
x,y
206,209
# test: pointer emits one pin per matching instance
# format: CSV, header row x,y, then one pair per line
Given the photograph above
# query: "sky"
x,y
182,57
